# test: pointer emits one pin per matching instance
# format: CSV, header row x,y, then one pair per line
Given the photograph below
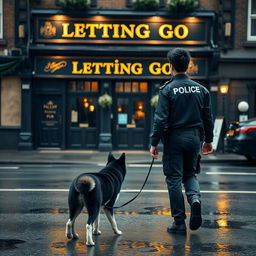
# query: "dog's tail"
x,y
85,184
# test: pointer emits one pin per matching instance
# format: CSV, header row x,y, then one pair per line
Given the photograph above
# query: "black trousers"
x,y
180,159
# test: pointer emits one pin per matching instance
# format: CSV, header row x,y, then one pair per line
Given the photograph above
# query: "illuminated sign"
x,y
100,29
99,67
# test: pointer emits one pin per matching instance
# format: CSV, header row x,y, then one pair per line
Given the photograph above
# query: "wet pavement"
x,y
33,213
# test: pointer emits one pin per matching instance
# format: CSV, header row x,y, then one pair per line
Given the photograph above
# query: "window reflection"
x,y
83,112
130,114
139,113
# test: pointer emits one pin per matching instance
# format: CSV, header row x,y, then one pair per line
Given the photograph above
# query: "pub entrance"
x,y
49,125
131,122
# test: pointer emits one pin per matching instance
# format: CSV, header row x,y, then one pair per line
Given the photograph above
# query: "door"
x,y
82,114
131,116
49,129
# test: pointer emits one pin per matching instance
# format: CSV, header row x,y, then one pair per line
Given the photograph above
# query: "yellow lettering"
x,y
79,30
137,69
92,28
181,31
116,68
125,68
129,31
116,31
75,68
142,34
155,68
97,66
165,31
166,69
65,32
87,68
108,67
105,29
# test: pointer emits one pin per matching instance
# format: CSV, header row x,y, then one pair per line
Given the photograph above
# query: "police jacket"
x,y
182,104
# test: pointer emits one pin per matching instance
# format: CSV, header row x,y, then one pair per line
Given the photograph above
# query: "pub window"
x,y
83,86
130,116
10,102
83,112
128,87
1,19
84,95
251,30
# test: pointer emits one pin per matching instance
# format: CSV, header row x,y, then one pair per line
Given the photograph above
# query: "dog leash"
x,y
116,207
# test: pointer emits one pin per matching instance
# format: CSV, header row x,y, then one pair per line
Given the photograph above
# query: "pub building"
x,y
75,58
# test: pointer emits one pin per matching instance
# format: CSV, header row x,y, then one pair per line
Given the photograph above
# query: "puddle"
x,y
128,247
50,210
223,224
7,244
157,210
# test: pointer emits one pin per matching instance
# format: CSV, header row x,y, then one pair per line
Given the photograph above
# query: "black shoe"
x,y
195,217
175,228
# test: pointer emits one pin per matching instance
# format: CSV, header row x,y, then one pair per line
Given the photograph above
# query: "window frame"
x,y
1,19
251,17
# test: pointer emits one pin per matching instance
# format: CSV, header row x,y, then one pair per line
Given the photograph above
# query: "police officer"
x,y
183,120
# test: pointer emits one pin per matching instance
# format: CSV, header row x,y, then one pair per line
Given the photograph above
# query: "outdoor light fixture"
x,y
224,88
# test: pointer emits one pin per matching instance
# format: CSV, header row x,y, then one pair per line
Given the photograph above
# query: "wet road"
x,y
33,213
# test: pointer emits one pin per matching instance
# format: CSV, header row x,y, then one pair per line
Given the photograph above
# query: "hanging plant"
x,y
145,5
75,4
105,100
154,101
182,6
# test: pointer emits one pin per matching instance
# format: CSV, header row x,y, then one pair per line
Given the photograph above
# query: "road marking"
x,y
126,190
231,173
9,167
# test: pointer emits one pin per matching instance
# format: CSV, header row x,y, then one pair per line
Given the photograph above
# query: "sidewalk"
x,y
89,156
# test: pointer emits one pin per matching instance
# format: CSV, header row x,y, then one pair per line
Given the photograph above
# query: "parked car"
x,y
241,139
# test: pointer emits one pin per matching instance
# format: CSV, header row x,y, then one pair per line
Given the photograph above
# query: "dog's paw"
x,y
90,243
96,232
75,236
118,232
69,236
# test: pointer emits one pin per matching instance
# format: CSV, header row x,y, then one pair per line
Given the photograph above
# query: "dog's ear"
x,y
122,158
110,157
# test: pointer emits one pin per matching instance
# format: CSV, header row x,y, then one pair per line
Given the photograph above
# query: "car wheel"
x,y
251,159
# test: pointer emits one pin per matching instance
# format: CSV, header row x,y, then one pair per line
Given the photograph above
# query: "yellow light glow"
x,y
86,104
119,109
224,88
91,108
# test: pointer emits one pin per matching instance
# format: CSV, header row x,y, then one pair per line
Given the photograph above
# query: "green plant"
x,y
183,5
75,4
145,5
154,101
105,100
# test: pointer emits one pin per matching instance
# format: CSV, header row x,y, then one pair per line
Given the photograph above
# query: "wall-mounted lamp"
x,y
228,29
21,31
223,88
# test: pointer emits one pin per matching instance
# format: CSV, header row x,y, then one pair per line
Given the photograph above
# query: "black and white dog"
x,y
96,190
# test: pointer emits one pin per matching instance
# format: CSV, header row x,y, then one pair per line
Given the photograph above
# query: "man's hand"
x,y
207,148
154,152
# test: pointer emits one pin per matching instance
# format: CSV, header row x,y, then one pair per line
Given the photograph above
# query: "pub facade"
x,y
76,57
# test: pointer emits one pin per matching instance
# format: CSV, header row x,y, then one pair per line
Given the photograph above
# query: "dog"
x,y
96,190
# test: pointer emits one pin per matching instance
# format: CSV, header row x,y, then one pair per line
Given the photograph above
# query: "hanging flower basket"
x,y
145,5
105,100
182,6
75,4
154,101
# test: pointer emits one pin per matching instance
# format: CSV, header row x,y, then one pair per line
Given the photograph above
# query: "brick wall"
x,y
209,5
8,24
241,24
